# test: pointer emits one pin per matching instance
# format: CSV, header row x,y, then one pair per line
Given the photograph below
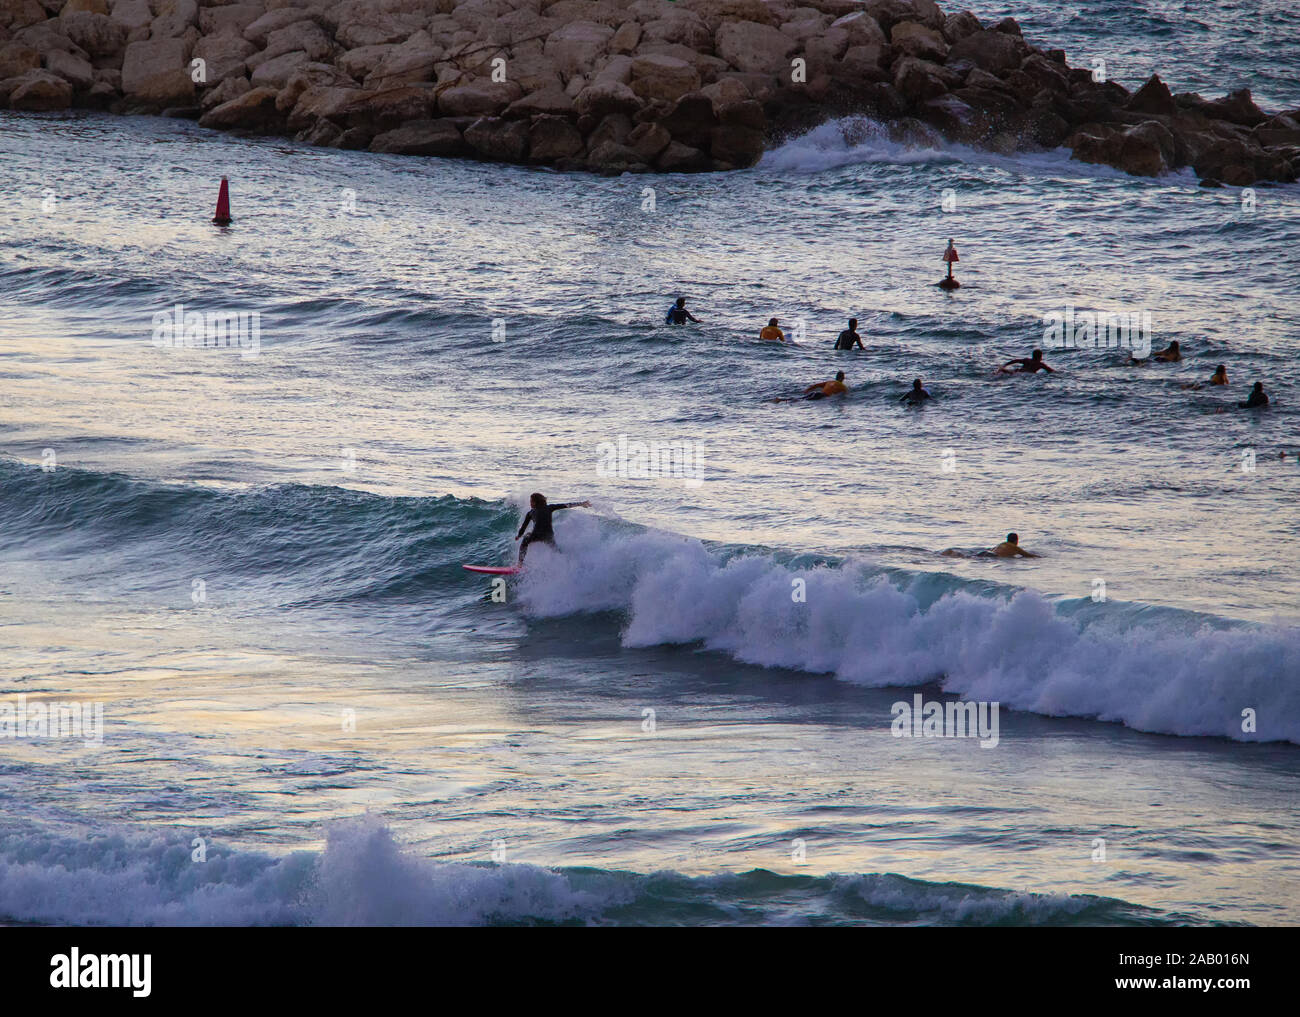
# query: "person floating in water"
x,y
822,389
678,315
540,516
917,395
1170,354
1219,377
772,331
1010,548
1028,365
1257,400
849,337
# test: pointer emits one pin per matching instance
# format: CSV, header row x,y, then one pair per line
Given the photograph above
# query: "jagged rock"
x,y
648,140
753,48
860,29
175,18
737,144
679,158
411,61
277,70
422,137
223,57
611,158
625,39
912,39
918,81
663,77
995,52
76,6
17,58
864,63
16,14
388,108
551,101
552,138
305,36
1237,108
40,91
312,75
478,98
231,19
324,102
498,139
576,47
97,34
825,50
604,97
322,134
253,111
259,29
716,12
359,63
681,27
229,88
157,73
72,69
1153,97
691,120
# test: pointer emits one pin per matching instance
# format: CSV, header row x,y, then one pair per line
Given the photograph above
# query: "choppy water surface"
x,y
253,562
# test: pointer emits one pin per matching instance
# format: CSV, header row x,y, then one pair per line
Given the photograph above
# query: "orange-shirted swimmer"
x,y
772,331
1010,548
1219,377
1170,354
822,389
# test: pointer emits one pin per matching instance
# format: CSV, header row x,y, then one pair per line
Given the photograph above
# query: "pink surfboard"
x,y
493,570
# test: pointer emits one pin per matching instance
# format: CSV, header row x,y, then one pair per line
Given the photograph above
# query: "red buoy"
x,y
222,218
950,256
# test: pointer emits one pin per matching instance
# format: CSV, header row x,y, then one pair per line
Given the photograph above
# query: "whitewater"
x,y
312,715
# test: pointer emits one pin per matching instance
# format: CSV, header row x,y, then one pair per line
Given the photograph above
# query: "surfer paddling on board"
x,y
1027,365
540,516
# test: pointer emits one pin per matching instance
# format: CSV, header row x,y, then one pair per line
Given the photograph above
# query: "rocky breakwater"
x,y
651,85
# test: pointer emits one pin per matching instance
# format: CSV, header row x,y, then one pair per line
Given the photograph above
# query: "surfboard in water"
x,y
493,570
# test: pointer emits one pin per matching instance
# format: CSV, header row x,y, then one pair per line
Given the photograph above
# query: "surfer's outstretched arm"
x,y
572,504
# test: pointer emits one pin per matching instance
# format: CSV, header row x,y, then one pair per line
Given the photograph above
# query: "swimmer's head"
x,y
536,500
1174,345
853,324
1037,355
839,376
1013,538
681,301
916,383
1221,369
1259,386
771,321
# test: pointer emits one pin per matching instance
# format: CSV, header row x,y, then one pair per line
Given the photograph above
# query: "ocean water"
x,y
311,714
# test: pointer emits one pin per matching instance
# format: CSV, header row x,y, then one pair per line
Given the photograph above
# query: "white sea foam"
x,y
1174,674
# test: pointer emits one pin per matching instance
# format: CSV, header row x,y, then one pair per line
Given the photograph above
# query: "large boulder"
x,y
995,52
574,48
860,29
682,28
72,69
253,111
692,120
391,107
40,91
17,58
551,138
910,38
17,14
552,101
278,70
231,19
603,97
97,34
480,98
1153,97
499,140
259,30
755,48
918,81
306,36
223,56
679,158
175,18
321,103
410,61
736,144
663,77
230,88
422,137
156,73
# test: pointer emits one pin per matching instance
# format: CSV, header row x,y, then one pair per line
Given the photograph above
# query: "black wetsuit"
x,y
678,315
846,340
542,529
915,396
1257,399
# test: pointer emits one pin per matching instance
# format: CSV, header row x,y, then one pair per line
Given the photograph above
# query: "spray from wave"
x,y
1178,674
363,877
